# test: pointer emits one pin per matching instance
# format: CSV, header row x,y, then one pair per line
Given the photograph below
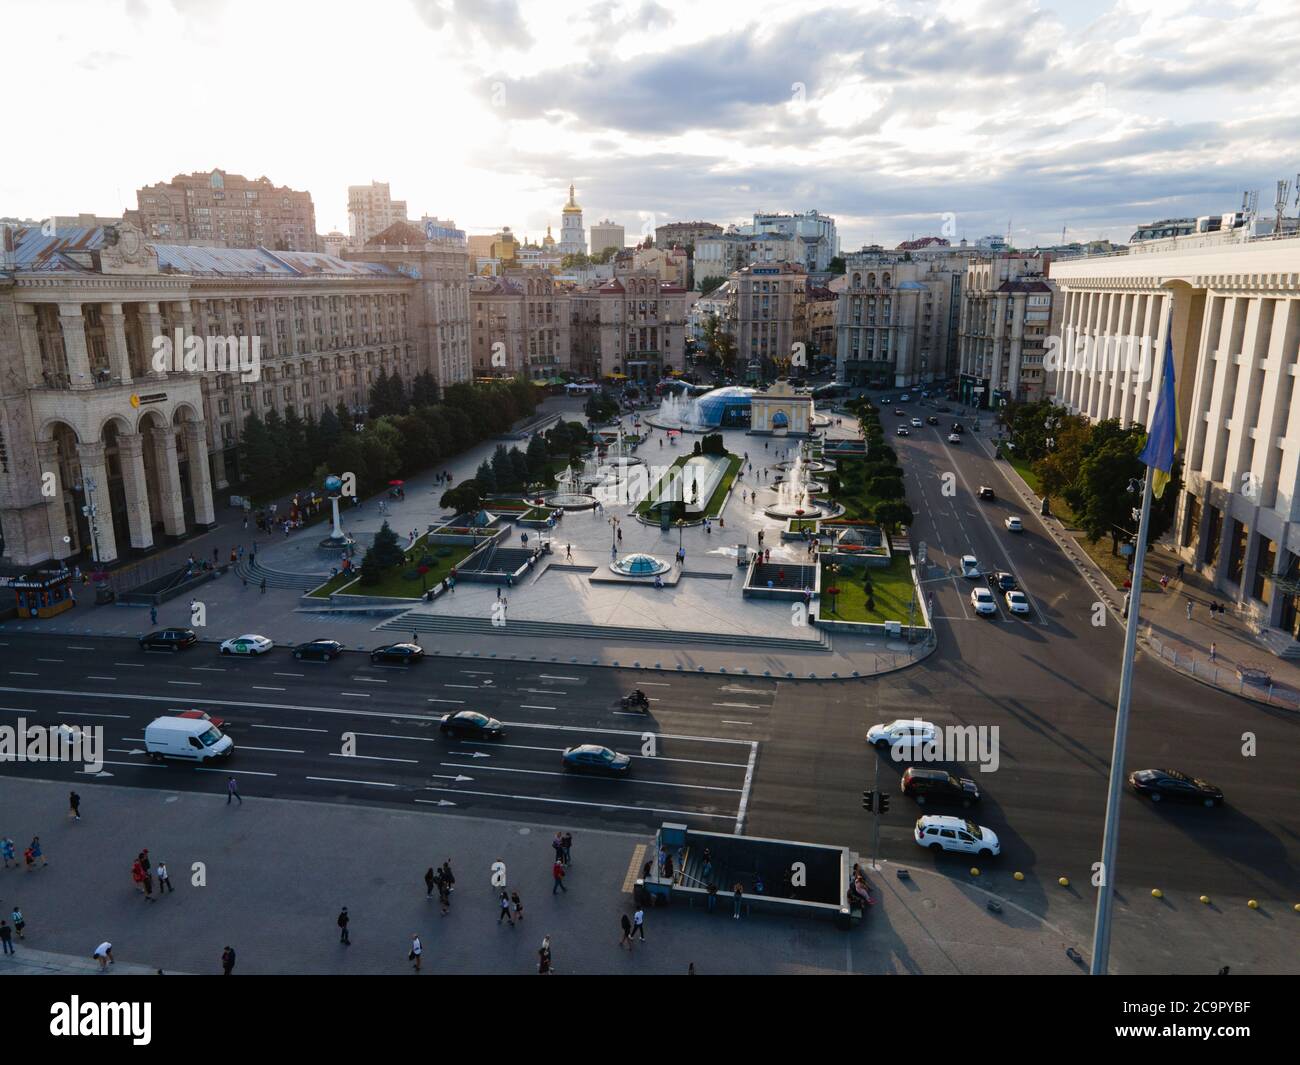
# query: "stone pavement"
x,y
276,872
1167,632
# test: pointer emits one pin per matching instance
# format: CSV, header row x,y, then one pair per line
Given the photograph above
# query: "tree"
x,y
893,512
502,469
384,554
329,430
720,343
465,498
519,473
424,390
486,476
885,488
538,457
258,459
295,463
836,265
1100,497
708,284
1059,467
379,396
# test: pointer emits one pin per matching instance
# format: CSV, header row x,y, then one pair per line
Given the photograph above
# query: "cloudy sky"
x,y
892,116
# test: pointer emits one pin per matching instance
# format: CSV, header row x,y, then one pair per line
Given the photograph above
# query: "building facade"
x,y
770,313
519,326
1234,313
226,210
817,240
607,234
1006,318
371,210
633,325
685,233
88,417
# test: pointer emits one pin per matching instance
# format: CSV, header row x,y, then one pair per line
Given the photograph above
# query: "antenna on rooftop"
x,y
1283,194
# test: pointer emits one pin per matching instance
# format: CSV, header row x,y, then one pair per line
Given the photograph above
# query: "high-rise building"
x,y
1233,311
606,234
685,233
573,240
371,210
770,313
633,324
815,233
226,210
519,325
1006,318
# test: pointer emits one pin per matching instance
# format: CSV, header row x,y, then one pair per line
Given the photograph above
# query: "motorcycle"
x,y
635,701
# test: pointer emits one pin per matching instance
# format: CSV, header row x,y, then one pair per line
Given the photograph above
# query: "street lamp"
x,y
831,569
91,511
613,531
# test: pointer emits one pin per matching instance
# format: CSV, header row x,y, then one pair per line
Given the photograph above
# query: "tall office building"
x,y
606,234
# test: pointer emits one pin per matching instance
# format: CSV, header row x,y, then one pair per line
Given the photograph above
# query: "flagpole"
x,y
1110,839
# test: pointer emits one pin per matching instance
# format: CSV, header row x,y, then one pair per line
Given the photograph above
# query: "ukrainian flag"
x,y
1164,438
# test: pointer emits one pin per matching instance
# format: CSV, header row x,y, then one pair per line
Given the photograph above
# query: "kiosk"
x,y
43,596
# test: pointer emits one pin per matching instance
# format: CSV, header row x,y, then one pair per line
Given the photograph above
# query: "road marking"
x,y
358,695
532,706
271,750
372,757
291,674
741,706
634,867
187,683
340,780
471,687
84,713
80,647
561,773
293,728
728,721
370,680
49,660
206,669
744,794
553,676
389,736
21,673
92,676
576,802
458,702
265,688
543,691
655,684
138,765
478,672
240,772
738,690
556,750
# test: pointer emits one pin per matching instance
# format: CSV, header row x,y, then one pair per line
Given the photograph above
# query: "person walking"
x,y
153,615
557,874
712,897
232,791
228,959
104,955
35,848
20,922
7,852
627,932
164,881
6,936
148,883
518,904
557,845
1213,650
429,882
1189,610
544,957
566,845
343,927
264,586
444,896
417,952
737,897
447,877
503,901
568,551
638,923
74,806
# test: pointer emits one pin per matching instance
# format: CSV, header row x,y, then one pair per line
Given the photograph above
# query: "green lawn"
x,y
892,588
734,463
394,583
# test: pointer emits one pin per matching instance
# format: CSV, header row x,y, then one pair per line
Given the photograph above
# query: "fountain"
x,y
794,495
679,412
568,494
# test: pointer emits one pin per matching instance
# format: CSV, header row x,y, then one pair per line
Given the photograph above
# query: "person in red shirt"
x,y
557,872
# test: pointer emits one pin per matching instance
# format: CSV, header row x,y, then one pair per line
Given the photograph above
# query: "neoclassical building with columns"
x,y
86,418
1234,312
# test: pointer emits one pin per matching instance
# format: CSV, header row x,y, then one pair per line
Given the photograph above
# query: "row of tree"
x,y
282,454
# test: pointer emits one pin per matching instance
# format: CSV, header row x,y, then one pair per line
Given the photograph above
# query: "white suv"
x,y
970,566
956,834
905,736
981,599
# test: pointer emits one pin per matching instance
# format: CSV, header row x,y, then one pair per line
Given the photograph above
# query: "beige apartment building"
x,y
606,234
528,315
81,398
634,325
226,210
770,312
821,305
371,210
669,264
684,233
1234,311
1008,311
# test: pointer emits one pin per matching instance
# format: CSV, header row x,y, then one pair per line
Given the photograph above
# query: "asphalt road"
x,y
777,758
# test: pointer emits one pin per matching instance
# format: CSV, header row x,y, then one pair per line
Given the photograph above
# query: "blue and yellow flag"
x,y
1164,438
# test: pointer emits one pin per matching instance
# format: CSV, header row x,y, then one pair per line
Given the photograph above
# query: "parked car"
x,y
472,724
902,431
250,644
1017,602
981,600
199,715
986,492
956,834
593,758
970,566
904,735
1161,784
169,640
405,653
322,650
1005,581
953,438
939,786
1013,525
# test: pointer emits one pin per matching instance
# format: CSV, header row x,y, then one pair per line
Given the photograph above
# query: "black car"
x,y
932,420
593,758
1005,582
169,640
1161,784
323,650
939,786
957,427
472,724
900,412
986,492
406,653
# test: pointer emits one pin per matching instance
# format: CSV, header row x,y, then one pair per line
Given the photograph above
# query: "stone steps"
x,y
255,573
606,634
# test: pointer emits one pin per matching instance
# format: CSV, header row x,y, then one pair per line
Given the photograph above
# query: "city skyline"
x,y
1027,117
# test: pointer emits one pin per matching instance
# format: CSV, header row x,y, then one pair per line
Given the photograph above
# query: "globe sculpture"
x,y
337,540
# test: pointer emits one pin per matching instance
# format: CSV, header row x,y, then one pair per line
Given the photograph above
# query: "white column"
x,y
47,453
94,471
73,327
196,449
163,442
130,451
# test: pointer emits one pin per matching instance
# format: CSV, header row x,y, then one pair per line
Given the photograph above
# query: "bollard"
x,y
1156,893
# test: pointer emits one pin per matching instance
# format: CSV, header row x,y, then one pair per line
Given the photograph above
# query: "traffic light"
x,y
882,804
868,801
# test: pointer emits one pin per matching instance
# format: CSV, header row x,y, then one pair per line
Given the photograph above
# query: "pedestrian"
x,y
144,859
20,922
6,935
214,556
1181,566
153,615
737,896
557,845
638,923
29,862
35,848
232,792
544,957
264,586
104,955
690,969
566,844
447,876
712,897
1189,610
627,932
504,902
429,881
74,806
228,955
241,546
148,884
164,881
444,897
557,874
1213,650
343,927
417,952
518,904
568,551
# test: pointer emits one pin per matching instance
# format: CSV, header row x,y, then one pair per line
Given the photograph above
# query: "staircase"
x,y
255,573
604,634
1279,643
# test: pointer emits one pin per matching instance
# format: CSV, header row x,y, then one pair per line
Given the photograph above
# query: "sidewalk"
x,y
269,877
1166,631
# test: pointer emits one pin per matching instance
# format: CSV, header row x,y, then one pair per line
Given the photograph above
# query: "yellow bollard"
x,y
974,871
1205,899
1253,904
1156,893
1019,875
1064,881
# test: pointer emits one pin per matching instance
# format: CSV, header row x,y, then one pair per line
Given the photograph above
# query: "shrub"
x,y
886,488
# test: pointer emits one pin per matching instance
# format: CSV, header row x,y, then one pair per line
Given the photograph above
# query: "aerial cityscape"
x,y
626,489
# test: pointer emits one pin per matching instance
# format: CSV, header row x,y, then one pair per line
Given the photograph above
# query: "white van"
x,y
186,737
